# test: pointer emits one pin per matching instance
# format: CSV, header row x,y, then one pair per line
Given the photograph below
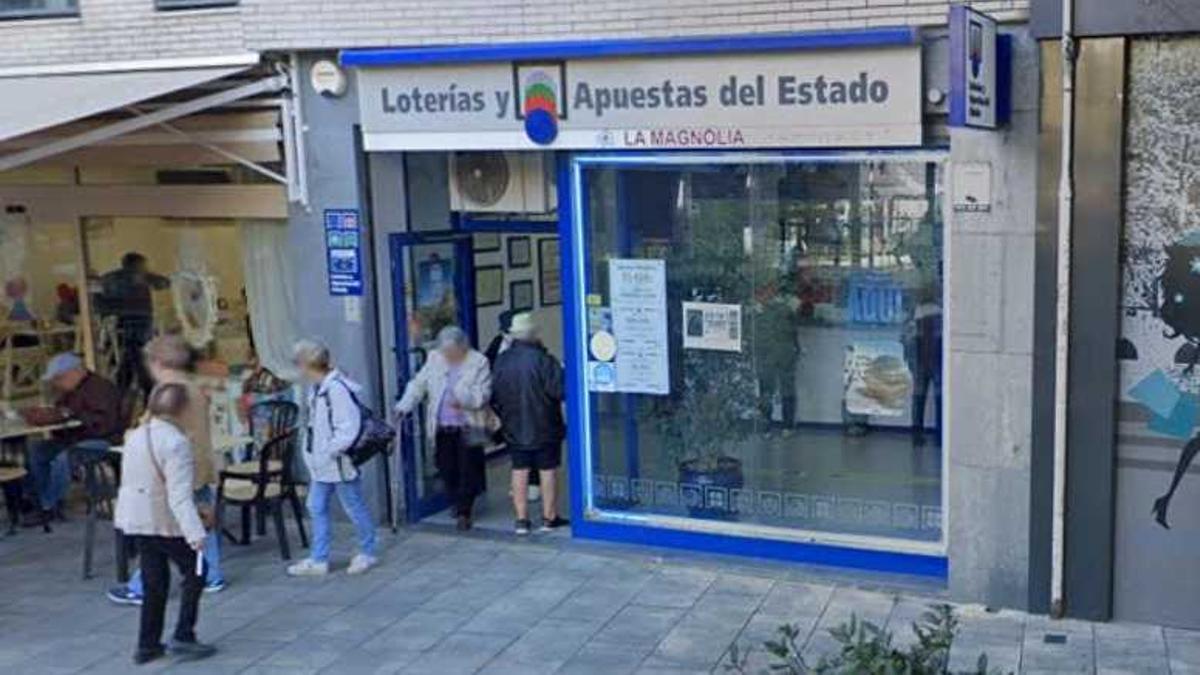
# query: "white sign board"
x,y
972,187
712,326
638,297
842,98
973,72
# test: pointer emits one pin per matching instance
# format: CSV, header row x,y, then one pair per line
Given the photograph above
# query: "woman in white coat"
x,y
156,508
334,422
456,385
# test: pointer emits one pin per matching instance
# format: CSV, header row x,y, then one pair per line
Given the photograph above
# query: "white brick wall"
x,y
120,30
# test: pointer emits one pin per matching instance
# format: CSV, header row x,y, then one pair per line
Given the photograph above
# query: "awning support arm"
x,y
269,84
227,154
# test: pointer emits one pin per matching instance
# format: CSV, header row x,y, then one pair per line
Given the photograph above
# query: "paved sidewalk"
x,y
443,604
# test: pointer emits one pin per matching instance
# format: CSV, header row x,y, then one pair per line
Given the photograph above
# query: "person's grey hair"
x,y
169,351
312,354
453,336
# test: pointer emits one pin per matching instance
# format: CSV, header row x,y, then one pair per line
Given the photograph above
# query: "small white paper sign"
x,y
712,326
638,289
973,187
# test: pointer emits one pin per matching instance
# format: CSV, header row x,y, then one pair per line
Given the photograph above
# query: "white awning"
x,y
38,102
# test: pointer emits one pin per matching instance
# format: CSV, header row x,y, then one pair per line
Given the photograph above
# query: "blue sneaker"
x,y
121,595
214,586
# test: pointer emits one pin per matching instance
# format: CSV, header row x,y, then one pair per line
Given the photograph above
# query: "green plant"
x,y
867,649
715,394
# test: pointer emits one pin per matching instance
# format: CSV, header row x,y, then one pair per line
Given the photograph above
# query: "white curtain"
x,y
269,294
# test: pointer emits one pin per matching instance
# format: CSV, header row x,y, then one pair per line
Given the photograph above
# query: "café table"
x,y
13,433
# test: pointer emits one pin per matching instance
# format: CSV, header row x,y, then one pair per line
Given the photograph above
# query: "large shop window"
x,y
23,9
764,344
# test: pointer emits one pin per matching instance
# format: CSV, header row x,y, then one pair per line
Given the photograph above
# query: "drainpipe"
x,y
1062,346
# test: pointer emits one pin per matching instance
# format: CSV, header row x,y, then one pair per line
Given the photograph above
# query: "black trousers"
x,y
157,553
135,332
462,468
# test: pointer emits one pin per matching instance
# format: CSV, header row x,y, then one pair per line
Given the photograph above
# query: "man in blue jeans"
x,y
83,397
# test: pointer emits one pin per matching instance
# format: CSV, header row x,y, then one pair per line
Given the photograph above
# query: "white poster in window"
x,y
878,381
638,290
712,326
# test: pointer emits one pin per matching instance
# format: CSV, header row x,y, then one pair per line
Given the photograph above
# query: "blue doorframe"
x,y
587,521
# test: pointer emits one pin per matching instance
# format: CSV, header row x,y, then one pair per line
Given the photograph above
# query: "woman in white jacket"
x,y
456,385
334,423
156,508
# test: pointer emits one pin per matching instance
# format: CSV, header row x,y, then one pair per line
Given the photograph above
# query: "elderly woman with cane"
x,y
456,384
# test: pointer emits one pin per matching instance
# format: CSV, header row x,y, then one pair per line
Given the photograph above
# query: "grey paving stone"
x,y
679,588
603,658
371,662
311,651
459,653
694,646
550,640
640,625
416,632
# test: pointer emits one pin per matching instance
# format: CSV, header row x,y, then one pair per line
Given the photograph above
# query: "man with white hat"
x,y
86,398
527,394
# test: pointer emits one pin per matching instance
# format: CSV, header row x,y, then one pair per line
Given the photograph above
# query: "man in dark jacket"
x,y
527,394
88,399
128,294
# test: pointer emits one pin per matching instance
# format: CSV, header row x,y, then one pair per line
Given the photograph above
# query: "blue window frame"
x,y
596,517
193,4
32,9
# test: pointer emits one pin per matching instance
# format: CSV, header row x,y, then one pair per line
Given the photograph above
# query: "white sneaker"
x,y
308,568
535,493
361,563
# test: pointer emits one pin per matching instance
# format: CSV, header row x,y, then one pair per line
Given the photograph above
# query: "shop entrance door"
x,y
431,284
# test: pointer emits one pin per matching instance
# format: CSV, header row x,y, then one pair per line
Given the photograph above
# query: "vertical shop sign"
x,y
343,252
978,70
638,290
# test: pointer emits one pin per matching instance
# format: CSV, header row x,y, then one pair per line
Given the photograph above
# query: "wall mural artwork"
x,y
1160,331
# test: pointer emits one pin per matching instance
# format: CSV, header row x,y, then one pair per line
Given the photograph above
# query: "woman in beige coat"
x,y
156,508
168,358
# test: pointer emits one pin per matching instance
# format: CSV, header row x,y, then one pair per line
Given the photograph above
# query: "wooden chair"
x,y
266,490
24,356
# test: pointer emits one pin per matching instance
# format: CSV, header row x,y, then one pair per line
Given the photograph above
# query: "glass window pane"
x,y
804,311
194,4
17,9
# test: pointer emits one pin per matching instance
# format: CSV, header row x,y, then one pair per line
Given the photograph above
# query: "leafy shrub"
x,y
867,649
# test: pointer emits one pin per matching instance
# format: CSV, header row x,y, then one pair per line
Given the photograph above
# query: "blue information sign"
x,y
343,252
980,65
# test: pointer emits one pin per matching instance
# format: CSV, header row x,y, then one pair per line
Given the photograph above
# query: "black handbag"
x,y
375,435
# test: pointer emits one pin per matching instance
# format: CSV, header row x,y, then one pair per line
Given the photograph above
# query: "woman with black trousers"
x,y
156,508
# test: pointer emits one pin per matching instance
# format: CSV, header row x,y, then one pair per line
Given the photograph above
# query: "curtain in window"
x,y
269,295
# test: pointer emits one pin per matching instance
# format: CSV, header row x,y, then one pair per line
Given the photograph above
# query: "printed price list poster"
x,y
638,291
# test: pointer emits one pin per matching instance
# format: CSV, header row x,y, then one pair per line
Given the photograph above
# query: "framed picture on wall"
x,y
486,242
520,252
489,285
521,295
549,272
